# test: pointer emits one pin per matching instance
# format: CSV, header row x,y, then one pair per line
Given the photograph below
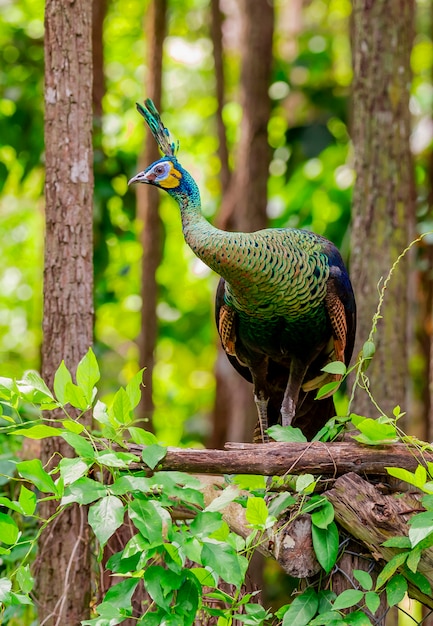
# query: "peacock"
x,y
285,307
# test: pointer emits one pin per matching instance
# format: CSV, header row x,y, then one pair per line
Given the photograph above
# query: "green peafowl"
x,y
284,305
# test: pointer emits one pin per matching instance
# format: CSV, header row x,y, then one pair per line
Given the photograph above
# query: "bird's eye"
x,y
159,170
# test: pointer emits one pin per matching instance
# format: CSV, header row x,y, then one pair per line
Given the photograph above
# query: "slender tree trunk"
x,y
244,204
64,563
383,201
216,26
148,212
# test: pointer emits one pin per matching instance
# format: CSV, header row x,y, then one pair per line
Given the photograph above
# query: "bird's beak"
x,y
141,177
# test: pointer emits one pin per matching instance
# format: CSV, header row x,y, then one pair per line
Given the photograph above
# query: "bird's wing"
x,y
225,318
337,315
340,345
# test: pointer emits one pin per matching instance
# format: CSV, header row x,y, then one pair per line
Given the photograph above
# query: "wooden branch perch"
x,y
276,459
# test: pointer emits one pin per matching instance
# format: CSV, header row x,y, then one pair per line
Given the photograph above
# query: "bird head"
x,y
165,173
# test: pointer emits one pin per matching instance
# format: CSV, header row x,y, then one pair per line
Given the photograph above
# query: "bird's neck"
x,y
216,248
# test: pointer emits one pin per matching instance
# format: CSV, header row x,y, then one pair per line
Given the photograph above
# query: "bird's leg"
x,y
298,370
261,397
262,410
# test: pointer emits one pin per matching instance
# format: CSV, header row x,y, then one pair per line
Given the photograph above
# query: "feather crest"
x,y
157,128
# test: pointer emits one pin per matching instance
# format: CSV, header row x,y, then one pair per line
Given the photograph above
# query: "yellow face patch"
x,y
173,179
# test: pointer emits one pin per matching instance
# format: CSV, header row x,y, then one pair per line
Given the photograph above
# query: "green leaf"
x,y
14,506
257,512
27,500
326,598
372,600
111,458
205,523
141,436
160,584
356,618
396,588
73,426
336,367
105,517
5,588
328,389
419,580
229,494
100,413
397,542
84,491
364,579
325,543
348,598
324,516
41,393
224,560
402,474
153,454
133,388
413,559
40,431
287,433
82,446
76,397
204,576
120,410
187,599
368,350
129,484
73,469
35,473
302,609
421,525
61,378
390,568
24,578
376,431
120,594
87,374
252,482
305,483
280,502
148,517
9,531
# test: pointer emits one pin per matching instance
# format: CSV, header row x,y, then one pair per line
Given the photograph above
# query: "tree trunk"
x,y
244,205
383,201
63,566
148,212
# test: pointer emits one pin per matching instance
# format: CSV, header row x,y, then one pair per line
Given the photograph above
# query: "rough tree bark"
x,y
383,201
244,204
148,212
63,566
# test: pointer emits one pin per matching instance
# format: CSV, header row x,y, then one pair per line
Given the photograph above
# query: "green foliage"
x,y
182,565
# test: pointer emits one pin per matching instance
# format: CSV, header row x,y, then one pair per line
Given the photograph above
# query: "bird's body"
x,y
284,305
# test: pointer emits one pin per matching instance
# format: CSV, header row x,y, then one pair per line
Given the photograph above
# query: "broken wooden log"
x,y
372,517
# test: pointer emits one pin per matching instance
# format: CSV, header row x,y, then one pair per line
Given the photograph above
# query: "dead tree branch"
x,y
277,459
